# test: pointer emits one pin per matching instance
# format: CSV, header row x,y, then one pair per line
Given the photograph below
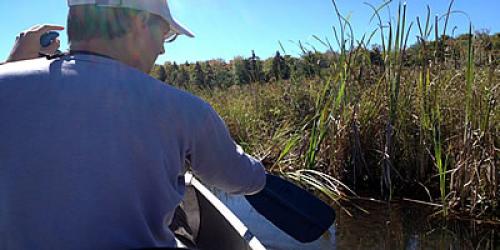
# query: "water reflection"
x,y
409,226
399,226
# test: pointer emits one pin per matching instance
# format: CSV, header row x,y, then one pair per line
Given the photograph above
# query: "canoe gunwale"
x,y
204,194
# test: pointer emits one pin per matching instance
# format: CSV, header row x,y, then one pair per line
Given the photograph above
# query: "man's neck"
x,y
116,49
120,49
103,48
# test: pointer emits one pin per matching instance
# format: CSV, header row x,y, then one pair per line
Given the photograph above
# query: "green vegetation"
x,y
390,121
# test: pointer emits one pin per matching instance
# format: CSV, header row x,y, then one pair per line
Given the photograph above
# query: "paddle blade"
x,y
292,209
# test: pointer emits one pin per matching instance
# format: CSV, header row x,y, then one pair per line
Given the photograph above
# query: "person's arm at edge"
x,y
27,45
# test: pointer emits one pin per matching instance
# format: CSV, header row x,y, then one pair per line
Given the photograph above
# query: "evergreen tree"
x,y
241,70
285,69
174,74
256,72
170,72
310,66
223,74
198,76
183,76
276,67
279,68
159,73
209,76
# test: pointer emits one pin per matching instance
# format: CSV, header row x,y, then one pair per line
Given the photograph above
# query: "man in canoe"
x,y
93,150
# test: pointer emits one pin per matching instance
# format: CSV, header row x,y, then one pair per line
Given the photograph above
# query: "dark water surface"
x,y
398,226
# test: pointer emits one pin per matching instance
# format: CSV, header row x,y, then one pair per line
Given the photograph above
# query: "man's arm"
x,y
219,161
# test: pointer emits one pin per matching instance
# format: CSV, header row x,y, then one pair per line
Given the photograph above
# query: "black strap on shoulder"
x,y
59,54
85,52
50,57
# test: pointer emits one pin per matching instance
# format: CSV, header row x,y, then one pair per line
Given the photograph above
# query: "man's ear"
x,y
142,20
139,24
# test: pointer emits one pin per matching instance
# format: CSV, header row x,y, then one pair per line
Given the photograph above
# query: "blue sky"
x,y
228,28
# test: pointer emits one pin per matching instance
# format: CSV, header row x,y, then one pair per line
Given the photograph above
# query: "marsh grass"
x,y
427,131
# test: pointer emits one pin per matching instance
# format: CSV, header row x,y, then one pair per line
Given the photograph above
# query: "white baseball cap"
x,y
157,7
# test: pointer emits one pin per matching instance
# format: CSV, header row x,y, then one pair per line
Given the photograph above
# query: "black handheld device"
x,y
48,38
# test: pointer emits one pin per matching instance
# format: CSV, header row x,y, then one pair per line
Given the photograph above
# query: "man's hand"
x,y
28,46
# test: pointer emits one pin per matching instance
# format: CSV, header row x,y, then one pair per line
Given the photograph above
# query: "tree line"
x,y
312,63
242,70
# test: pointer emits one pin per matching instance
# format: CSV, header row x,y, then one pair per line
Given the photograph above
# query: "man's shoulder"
x,y
95,70
25,67
181,97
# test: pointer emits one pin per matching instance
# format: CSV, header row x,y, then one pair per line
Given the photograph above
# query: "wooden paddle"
x,y
292,209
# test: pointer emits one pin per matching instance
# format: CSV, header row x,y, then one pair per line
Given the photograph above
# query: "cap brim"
x,y
178,28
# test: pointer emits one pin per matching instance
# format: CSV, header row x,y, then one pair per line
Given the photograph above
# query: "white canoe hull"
x,y
214,226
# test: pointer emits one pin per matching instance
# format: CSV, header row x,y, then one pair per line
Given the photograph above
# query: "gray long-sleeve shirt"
x,y
92,155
